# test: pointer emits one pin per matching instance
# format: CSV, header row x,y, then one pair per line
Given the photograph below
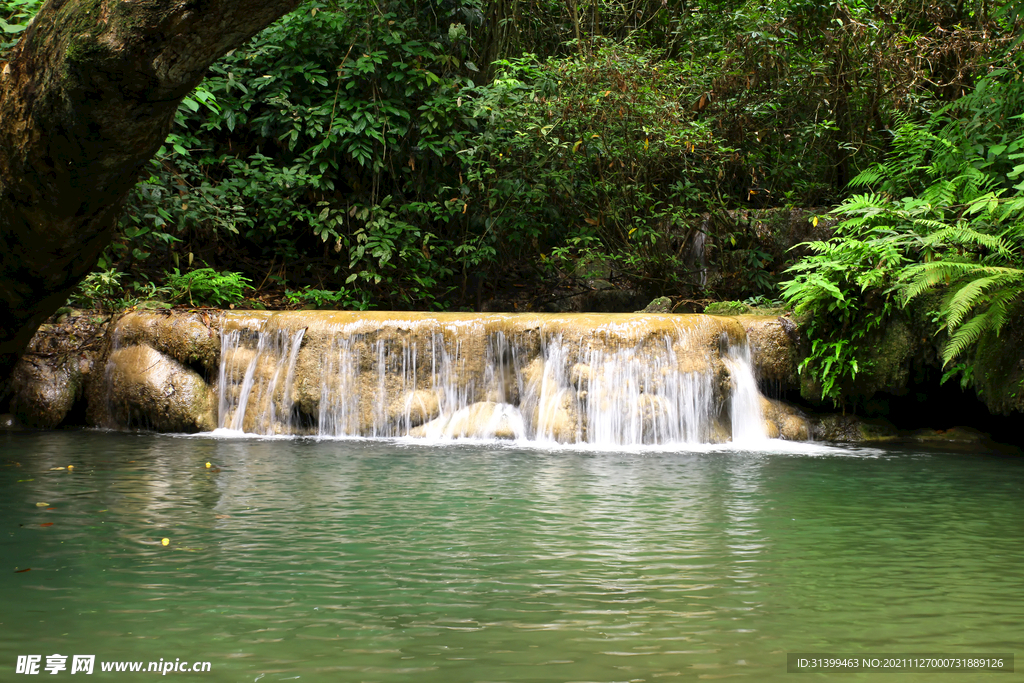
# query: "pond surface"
x,y
386,561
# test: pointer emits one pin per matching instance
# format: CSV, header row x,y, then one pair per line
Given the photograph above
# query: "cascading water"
x,y
745,401
595,379
252,401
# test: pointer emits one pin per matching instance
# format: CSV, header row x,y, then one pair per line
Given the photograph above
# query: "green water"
x,y
379,561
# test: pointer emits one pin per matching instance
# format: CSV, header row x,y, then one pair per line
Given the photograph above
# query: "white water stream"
x,y
449,381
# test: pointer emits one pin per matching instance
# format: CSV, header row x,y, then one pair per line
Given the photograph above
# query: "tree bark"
x,y
87,97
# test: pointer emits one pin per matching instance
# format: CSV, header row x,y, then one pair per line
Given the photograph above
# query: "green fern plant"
x,y
976,257
942,212
843,290
979,301
208,286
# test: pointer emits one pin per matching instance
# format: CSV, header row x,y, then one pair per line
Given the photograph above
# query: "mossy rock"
x,y
727,308
45,389
190,338
774,349
660,305
852,429
998,369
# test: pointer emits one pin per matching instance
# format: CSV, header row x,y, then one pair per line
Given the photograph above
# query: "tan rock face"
x,y
57,371
795,428
629,378
483,420
568,377
785,421
190,338
773,346
152,390
414,408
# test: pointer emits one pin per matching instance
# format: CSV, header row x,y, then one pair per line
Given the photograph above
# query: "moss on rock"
x,y
56,371
45,392
190,338
773,347
852,429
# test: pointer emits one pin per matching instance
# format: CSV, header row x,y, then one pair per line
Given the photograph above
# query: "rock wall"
x,y
59,371
162,370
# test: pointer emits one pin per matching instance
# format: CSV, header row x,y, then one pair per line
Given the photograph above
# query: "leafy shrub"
x,y
592,157
727,308
100,289
208,286
327,299
14,18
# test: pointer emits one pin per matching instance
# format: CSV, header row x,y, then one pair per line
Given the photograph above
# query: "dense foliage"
x,y
427,154
423,154
944,212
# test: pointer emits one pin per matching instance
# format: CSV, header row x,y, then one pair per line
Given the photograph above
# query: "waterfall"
x,y
270,391
602,379
745,400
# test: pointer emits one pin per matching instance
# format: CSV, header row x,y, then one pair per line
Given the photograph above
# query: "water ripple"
x,y
364,560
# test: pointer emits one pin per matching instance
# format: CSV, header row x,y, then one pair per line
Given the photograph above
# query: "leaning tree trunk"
x,y
87,97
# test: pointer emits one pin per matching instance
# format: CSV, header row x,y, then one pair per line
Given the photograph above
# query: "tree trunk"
x,y
87,97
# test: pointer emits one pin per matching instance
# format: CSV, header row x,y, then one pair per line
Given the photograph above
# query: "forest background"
x,y
417,154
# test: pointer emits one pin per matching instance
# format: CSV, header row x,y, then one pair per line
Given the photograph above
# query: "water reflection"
x,y
382,560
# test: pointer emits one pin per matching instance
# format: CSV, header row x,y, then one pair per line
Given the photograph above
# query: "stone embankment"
x,y
163,370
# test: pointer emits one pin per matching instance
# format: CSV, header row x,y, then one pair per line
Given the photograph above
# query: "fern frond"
x,y
972,294
965,336
942,193
963,235
929,224
859,204
963,300
869,176
918,279
921,277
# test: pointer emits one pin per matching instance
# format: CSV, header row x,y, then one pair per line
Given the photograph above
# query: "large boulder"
x,y
190,337
150,389
852,429
45,390
773,347
482,420
784,421
57,371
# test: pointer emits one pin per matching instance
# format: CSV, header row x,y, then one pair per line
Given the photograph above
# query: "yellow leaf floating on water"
x,y
165,541
42,505
207,465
